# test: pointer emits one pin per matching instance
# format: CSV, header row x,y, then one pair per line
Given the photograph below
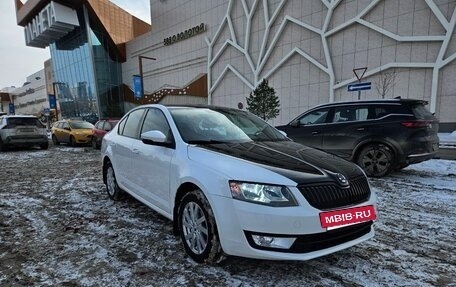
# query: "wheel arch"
x,y
183,189
389,143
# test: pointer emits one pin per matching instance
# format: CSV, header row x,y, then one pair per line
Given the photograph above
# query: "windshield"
x,y
14,122
205,125
81,125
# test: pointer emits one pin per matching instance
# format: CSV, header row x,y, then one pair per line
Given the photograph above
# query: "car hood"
x,y
297,162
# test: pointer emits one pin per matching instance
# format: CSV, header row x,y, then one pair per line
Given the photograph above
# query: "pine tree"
x,y
263,101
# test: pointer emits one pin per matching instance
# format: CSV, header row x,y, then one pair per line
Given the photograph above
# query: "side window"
x,y
107,126
65,125
121,126
156,121
132,123
315,117
350,114
99,125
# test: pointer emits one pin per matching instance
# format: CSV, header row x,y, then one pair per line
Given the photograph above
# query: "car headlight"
x,y
272,195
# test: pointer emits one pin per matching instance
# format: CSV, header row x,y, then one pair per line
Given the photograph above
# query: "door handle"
x,y
361,129
315,133
135,151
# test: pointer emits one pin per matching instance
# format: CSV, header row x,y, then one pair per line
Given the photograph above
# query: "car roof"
x,y
19,116
381,101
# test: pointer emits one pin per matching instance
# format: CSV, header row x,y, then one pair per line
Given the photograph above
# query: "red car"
x,y
100,129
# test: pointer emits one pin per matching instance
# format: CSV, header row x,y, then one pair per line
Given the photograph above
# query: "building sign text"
x,y
185,35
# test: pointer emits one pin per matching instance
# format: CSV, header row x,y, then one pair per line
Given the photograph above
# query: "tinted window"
x,y
315,117
132,123
421,113
17,122
155,121
350,113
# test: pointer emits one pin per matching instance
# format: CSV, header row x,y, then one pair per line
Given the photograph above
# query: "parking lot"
x,y
59,228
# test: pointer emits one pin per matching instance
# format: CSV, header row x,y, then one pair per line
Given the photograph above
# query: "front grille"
x,y
319,241
329,195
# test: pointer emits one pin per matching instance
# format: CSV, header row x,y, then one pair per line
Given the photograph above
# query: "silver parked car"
x,y
22,131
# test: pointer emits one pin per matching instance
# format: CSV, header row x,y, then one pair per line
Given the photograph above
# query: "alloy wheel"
x,y
195,228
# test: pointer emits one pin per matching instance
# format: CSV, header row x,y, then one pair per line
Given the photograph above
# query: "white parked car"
x,y
23,131
233,184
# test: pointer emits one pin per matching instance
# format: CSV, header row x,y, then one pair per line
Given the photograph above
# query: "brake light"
x,y
416,124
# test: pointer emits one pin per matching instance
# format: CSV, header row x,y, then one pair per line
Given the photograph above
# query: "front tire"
x,y
377,160
55,140
197,228
94,143
112,187
2,145
72,141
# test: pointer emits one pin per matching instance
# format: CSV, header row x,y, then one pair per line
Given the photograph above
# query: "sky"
x,y
18,61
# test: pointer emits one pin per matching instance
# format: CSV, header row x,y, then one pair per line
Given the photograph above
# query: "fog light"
x,y
273,242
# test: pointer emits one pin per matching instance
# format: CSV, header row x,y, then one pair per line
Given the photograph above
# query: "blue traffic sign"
x,y
11,109
137,86
359,87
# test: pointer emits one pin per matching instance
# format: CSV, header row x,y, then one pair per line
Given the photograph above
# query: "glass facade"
x,y
87,73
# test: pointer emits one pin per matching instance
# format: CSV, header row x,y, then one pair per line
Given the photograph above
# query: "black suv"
x,y
378,135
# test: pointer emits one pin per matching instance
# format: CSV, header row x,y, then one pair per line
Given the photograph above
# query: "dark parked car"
x,y
378,135
100,129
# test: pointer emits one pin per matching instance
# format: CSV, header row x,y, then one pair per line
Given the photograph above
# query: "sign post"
x,y
359,73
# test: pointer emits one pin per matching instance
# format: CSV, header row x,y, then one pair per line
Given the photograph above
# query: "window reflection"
x,y
80,90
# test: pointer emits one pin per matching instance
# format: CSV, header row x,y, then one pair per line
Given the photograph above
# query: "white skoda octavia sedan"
x,y
232,184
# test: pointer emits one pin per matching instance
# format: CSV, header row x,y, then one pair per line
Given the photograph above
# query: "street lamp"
x,y
140,58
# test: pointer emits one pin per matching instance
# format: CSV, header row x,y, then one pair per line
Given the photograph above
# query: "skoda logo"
x,y
342,179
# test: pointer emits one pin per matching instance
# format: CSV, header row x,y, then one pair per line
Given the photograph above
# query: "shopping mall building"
x,y
217,51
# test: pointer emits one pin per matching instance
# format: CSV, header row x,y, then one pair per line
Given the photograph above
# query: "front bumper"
x,y
242,219
83,139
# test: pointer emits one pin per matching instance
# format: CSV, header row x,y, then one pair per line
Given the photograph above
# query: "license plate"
x,y
26,130
349,216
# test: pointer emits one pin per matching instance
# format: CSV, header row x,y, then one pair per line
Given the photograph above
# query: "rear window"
x,y
18,122
421,113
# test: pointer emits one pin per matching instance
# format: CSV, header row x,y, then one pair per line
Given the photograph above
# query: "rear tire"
x,y
113,189
44,146
377,160
197,228
54,140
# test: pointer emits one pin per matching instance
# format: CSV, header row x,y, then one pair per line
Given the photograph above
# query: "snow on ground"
x,y
447,139
58,228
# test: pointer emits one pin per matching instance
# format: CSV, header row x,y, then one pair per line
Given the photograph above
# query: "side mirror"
x,y
153,137
157,138
294,124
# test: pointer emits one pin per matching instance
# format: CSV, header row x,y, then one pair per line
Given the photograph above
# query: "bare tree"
x,y
385,83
